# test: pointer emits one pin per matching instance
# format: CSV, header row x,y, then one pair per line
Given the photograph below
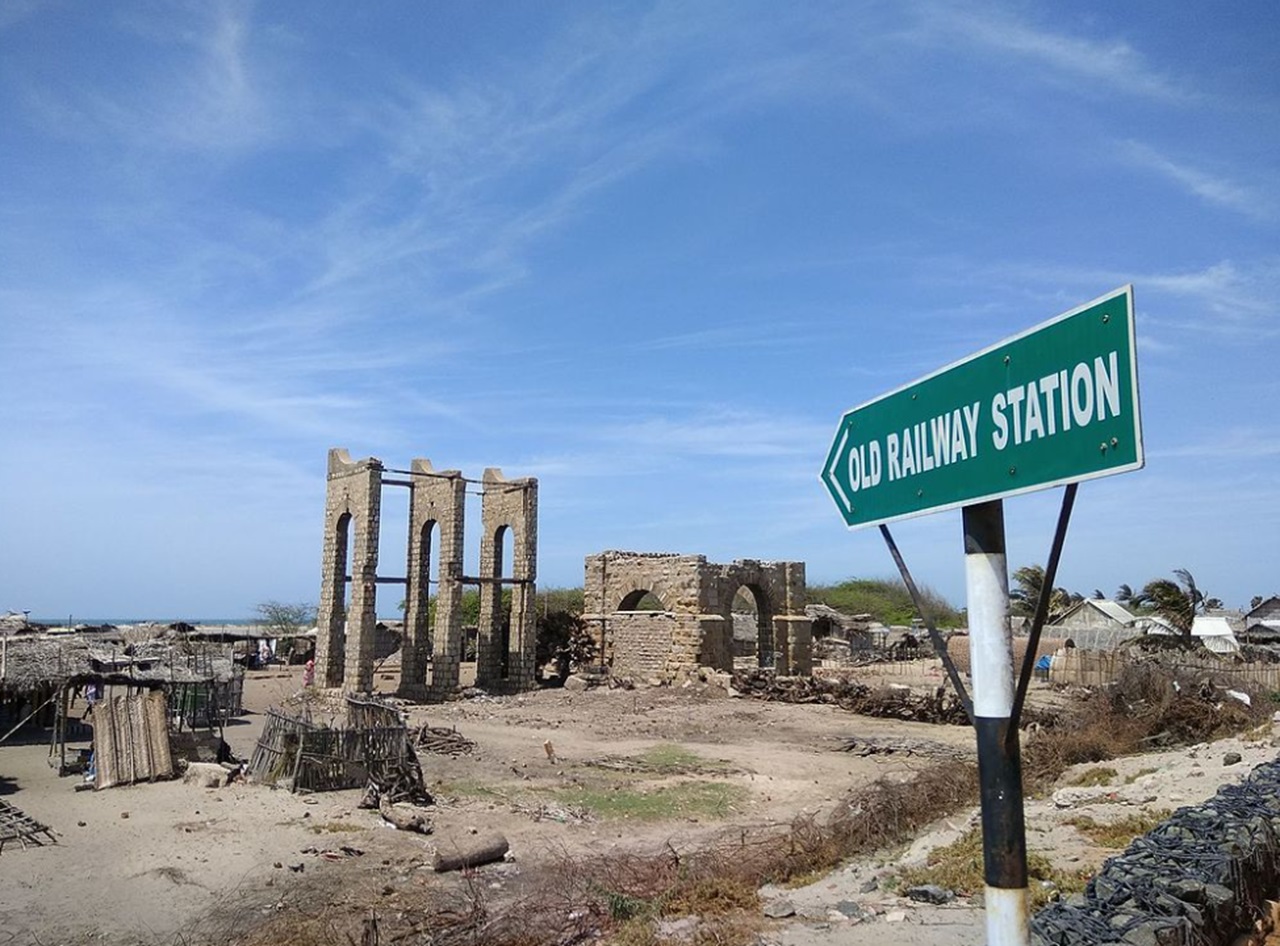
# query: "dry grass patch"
x,y
1098,775
958,866
1117,834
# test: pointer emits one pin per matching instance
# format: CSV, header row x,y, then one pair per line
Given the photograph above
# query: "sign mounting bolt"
x,y
1115,441
1106,317
1103,446
1013,470
1007,359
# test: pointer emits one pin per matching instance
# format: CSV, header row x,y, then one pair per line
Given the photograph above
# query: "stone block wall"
x,y
345,632
437,504
699,595
346,617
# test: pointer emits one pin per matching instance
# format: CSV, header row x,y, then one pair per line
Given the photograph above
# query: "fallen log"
x,y
403,820
472,852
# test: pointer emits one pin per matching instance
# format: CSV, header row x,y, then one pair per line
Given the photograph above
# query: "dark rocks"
x,y
852,910
1190,880
929,893
1232,758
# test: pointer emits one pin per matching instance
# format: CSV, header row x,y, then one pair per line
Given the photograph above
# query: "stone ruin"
x,y
695,626
431,653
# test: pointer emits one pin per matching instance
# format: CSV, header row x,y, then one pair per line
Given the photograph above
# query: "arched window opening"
x,y
344,542
753,626
642,599
428,553
504,543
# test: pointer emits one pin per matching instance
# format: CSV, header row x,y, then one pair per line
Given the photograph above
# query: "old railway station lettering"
x,y
1070,398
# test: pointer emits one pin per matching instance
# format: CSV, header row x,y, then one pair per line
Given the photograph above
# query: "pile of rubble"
x,y
940,706
1201,877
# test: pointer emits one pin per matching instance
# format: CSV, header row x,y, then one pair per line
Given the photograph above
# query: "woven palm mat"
x,y
17,825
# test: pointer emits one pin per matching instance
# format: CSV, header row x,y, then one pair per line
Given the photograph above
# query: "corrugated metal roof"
x,y
1221,645
1112,609
1211,626
1215,633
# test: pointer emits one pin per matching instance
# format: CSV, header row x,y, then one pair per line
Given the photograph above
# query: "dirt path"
x,y
151,862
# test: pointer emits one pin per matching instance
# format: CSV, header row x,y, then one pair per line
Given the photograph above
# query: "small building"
x,y
1097,624
1262,623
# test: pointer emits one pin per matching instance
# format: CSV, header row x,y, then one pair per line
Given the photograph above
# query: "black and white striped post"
x,y
999,764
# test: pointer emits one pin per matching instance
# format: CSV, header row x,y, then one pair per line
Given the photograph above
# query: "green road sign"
x,y
1055,404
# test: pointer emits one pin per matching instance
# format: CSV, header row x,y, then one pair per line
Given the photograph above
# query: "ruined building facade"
x,y
432,651
695,626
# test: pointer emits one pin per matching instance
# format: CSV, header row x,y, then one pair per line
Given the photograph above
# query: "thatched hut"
x,y
42,675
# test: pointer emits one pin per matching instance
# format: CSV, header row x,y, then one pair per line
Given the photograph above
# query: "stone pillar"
x,y
344,641
716,636
508,504
794,637
437,503
522,644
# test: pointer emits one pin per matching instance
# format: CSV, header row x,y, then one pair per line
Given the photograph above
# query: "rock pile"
x,y
936,707
1200,877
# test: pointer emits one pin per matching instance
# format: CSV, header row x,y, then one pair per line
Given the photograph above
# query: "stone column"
x,y
437,503
794,636
344,636
513,505
446,640
716,636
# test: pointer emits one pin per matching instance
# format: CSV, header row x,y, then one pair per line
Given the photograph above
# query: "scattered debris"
x,y
442,741
869,745
938,707
929,893
17,825
403,820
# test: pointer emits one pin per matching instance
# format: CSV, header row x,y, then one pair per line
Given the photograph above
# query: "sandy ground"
x,y
164,862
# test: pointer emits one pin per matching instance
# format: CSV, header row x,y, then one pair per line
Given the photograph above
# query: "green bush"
x,y
886,600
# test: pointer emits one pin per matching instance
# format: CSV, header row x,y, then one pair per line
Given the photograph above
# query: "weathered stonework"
x,y
344,642
508,664
696,627
431,658
437,501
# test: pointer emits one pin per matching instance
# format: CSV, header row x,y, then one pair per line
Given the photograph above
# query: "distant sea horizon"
x,y
118,622
98,622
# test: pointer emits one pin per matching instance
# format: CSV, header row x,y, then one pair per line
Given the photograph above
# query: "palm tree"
x,y
1176,601
1029,582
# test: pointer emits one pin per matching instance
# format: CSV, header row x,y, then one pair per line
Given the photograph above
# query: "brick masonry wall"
x,y
700,595
508,506
345,635
437,507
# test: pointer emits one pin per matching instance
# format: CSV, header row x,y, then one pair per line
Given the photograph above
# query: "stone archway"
x,y
696,627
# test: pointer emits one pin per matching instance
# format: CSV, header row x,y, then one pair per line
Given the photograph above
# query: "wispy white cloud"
x,y
1228,297
1111,64
1231,445
1213,189
200,89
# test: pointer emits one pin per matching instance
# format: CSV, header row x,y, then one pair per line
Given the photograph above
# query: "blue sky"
x,y
647,253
